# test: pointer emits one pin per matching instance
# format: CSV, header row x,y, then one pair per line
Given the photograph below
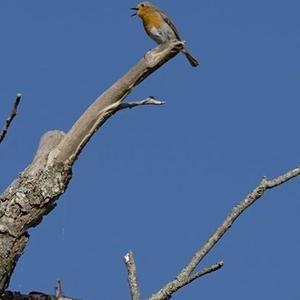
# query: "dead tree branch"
x,y
34,192
74,141
212,268
186,275
132,277
148,101
10,118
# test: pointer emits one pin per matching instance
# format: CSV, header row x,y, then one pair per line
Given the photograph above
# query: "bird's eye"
x,y
142,5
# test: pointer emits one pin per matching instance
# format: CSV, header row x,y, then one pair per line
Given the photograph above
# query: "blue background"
x,y
159,180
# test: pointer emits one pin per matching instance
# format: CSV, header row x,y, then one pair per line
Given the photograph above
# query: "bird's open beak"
x,y
134,8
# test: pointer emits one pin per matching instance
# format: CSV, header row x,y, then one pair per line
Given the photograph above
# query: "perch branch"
x,y
74,141
132,277
10,118
186,273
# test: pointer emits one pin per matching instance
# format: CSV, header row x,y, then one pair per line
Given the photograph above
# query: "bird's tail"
x,y
192,60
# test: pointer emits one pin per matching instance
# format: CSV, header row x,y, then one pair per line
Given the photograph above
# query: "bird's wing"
x,y
169,22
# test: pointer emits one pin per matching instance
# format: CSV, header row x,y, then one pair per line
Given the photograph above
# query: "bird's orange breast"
x,y
152,19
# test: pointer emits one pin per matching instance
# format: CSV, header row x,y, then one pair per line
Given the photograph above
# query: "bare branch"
x,y
110,110
205,271
148,101
10,118
235,213
282,179
74,141
132,277
186,273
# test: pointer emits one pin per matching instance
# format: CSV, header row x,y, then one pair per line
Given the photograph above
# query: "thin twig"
x,y
204,271
117,106
132,277
148,101
58,289
186,273
10,118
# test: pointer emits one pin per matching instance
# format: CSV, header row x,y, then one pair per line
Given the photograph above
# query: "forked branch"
x,y
186,275
74,141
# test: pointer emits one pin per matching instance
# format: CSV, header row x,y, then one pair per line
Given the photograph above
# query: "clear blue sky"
x,y
159,180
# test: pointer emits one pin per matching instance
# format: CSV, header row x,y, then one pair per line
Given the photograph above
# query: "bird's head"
x,y
143,8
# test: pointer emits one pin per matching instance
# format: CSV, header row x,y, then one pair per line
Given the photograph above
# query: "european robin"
x,y
160,27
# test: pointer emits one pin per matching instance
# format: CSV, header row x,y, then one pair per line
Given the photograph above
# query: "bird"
x,y
160,27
